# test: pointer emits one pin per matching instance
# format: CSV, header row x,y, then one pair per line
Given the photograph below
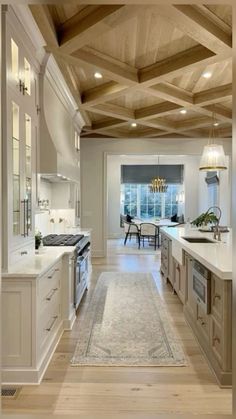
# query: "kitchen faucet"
x,y
216,228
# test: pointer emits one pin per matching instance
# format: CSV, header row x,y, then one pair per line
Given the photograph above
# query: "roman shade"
x,y
211,178
173,173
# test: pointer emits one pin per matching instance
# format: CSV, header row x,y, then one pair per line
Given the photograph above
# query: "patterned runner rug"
x,y
127,324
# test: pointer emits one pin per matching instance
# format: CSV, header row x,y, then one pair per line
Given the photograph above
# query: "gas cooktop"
x,y
62,239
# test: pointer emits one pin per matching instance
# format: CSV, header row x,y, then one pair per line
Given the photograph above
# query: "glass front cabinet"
x,y
20,127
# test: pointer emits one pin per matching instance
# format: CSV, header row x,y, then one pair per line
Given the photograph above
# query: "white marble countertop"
x,y
217,256
43,259
38,264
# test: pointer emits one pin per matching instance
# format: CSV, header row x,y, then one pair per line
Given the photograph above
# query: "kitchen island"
x,y
200,273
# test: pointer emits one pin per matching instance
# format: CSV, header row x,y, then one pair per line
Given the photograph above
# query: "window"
x,y
138,201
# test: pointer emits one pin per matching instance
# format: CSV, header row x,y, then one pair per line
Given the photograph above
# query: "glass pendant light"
x,y
158,185
213,156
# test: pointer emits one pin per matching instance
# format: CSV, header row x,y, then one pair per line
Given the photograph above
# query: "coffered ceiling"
x,y
164,69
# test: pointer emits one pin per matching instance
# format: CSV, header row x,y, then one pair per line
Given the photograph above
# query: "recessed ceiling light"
x,y
133,125
97,75
183,111
207,74
216,124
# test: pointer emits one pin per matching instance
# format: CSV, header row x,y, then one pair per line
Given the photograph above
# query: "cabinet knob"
x,y
216,339
217,297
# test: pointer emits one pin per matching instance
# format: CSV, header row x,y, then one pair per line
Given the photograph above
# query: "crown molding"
x,y
47,63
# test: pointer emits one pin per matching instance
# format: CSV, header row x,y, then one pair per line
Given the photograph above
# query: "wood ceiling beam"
x,y
214,95
127,75
77,32
192,21
45,23
113,111
221,113
111,70
170,93
173,65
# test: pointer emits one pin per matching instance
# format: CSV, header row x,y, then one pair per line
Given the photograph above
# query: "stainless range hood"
x,y
59,118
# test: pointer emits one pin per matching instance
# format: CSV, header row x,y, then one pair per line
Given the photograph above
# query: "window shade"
x,y
211,178
173,173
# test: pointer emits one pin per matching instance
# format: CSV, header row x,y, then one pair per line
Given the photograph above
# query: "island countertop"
x,y
217,256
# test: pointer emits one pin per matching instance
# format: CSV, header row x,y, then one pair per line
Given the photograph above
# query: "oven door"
x,y
81,274
201,290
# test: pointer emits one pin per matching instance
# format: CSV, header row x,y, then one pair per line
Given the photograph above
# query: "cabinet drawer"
x,y
216,297
217,340
47,325
203,322
49,281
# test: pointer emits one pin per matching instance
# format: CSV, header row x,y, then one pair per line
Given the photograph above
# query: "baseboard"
x,y
68,323
98,254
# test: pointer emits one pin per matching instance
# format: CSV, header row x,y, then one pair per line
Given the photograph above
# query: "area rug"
x,y
127,324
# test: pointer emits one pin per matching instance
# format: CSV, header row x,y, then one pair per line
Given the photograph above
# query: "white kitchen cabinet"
x,y
32,324
17,323
20,128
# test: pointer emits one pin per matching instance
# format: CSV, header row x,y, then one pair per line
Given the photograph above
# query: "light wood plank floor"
x,y
125,392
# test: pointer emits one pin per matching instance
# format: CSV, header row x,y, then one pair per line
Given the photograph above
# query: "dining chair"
x,y
149,231
131,229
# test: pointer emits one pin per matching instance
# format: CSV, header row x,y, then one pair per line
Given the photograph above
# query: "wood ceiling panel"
x,y
223,12
136,100
152,59
193,81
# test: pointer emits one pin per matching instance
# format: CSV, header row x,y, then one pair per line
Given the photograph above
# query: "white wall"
x,y
224,196
94,178
191,183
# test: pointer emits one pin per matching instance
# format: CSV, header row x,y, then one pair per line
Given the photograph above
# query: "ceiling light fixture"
x,y
183,111
133,125
207,74
97,75
158,184
213,156
216,124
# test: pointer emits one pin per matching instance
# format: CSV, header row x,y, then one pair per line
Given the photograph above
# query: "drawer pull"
x,y
56,270
217,297
52,324
216,340
52,294
24,252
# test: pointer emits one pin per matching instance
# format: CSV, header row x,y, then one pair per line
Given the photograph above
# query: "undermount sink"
x,y
198,240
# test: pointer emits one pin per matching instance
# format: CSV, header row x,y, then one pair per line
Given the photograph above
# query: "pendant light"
x,y
213,156
158,185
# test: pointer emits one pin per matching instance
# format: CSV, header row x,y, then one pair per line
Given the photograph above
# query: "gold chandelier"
x,y
158,184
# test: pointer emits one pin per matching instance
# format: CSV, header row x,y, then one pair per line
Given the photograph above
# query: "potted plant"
x,y
38,239
205,218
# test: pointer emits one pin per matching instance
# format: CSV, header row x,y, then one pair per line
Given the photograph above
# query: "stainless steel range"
x,y
80,259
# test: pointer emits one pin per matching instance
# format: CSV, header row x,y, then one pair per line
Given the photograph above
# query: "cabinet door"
x,y
21,178
17,326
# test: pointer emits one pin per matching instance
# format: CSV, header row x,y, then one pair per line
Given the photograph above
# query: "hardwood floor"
x,y
125,392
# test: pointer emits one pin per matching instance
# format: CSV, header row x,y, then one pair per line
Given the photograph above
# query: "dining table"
x,y
164,222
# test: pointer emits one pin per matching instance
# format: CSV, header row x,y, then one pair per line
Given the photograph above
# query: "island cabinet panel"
x,y
213,330
212,325
166,259
179,280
